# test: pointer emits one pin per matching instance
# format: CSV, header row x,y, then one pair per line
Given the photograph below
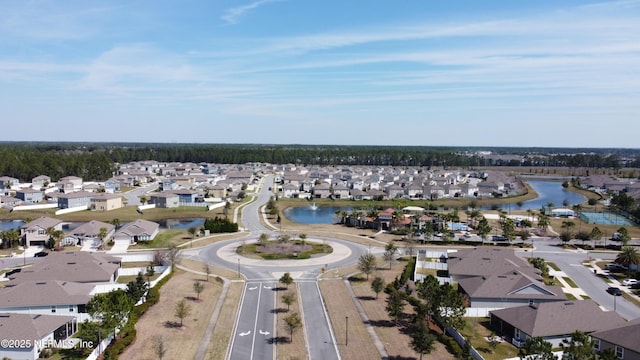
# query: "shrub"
x,y
451,345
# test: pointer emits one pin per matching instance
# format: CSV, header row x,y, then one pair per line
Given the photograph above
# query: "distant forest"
x,y
97,161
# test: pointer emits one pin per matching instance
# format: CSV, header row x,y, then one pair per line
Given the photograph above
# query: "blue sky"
x,y
433,73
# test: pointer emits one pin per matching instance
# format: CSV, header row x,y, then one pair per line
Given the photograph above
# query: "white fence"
x,y
70,210
100,348
34,207
136,257
164,274
103,345
136,270
462,341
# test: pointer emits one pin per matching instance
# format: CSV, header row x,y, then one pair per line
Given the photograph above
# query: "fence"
x,y
462,341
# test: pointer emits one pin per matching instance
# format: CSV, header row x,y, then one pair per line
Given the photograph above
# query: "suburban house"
x,y
553,321
165,200
40,182
75,199
105,202
34,233
111,186
341,192
623,339
290,191
185,195
70,184
40,330
322,191
139,230
7,182
9,201
494,278
89,231
47,297
394,191
218,191
30,196
73,266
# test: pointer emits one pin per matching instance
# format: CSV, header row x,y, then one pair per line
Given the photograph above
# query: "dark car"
x,y
41,254
614,291
13,271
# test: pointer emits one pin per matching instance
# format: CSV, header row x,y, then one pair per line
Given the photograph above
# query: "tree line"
x,y
96,161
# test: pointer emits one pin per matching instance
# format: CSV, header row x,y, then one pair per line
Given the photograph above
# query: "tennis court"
x,y
605,219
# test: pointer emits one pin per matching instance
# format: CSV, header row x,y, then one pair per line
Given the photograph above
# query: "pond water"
x,y
10,224
317,215
548,192
181,223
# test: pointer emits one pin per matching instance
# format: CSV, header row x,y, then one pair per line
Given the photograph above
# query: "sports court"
x,y
605,219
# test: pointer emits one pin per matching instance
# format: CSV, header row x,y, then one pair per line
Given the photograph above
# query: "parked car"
x,y
614,267
614,291
41,254
629,282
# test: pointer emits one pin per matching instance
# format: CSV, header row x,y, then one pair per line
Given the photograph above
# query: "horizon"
x,y
493,74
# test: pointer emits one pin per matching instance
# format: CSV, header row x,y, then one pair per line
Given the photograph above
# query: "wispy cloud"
x,y
231,16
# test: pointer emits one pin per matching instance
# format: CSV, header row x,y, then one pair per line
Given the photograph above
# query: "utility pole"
x,y
346,333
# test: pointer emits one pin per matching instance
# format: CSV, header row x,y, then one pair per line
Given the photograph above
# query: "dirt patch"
x,y
181,342
341,304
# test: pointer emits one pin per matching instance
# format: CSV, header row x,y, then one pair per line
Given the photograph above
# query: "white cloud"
x,y
232,15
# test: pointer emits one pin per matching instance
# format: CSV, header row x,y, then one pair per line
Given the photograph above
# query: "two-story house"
x,y
34,233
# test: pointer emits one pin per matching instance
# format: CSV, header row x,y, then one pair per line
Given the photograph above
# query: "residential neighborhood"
x,y
50,297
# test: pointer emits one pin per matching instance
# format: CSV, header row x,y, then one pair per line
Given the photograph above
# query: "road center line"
x,y
255,324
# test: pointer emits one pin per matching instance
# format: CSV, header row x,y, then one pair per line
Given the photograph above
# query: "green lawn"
x,y
553,266
477,330
570,282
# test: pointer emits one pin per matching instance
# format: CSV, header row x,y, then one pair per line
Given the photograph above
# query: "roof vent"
x,y
41,283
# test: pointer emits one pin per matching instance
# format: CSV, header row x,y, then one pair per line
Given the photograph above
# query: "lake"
x,y
319,215
548,191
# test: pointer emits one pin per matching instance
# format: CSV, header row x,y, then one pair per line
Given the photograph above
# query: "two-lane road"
x,y
255,325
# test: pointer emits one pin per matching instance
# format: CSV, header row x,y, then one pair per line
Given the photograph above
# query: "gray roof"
x,y
488,262
91,228
624,335
559,318
43,222
512,286
78,266
30,326
138,227
45,293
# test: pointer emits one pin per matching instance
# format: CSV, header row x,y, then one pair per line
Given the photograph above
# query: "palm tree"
x,y
628,256
577,208
543,222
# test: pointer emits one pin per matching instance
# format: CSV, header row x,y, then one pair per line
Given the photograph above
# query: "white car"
x,y
629,282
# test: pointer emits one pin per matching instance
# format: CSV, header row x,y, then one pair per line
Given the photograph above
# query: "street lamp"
x,y
239,268
346,333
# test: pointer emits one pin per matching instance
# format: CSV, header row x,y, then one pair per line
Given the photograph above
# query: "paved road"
x,y
132,196
571,263
256,325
